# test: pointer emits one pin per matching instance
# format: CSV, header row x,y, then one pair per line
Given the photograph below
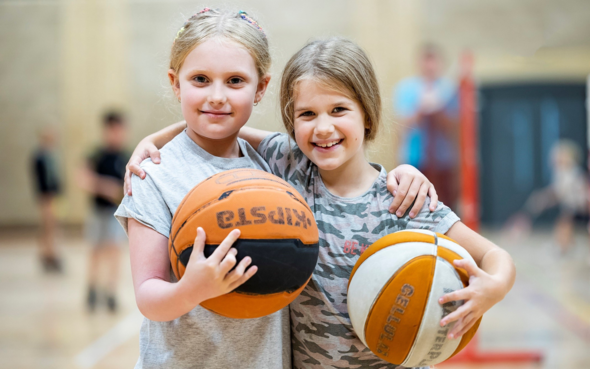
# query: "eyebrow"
x,y
234,72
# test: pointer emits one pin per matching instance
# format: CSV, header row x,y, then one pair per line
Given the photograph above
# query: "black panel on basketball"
x,y
283,264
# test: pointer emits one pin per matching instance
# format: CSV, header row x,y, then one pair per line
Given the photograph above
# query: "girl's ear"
x,y
174,82
261,88
367,120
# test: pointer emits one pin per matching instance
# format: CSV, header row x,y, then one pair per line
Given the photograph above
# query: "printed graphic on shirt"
x,y
321,331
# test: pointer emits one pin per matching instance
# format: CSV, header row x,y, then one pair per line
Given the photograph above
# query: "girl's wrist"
x,y
501,287
186,295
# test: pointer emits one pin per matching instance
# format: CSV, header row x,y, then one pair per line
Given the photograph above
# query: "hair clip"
x,y
205,10
247,18
178,33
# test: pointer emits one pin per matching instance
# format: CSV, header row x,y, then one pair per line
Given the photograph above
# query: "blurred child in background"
x,y
47,186
568,191
103,178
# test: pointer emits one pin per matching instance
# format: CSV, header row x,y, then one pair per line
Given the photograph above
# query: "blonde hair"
x,y
569,149
230,25
340,64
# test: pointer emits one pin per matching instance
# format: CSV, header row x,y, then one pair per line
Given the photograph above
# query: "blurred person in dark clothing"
x,y
47,186
427,106
103,177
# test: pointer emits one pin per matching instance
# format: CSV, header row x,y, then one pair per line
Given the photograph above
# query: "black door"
x,y
519,124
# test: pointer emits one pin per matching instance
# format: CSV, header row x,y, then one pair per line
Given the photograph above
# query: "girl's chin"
x,y
206,136
215,133
327,166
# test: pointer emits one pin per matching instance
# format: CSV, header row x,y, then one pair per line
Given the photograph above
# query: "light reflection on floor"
x,y
43,322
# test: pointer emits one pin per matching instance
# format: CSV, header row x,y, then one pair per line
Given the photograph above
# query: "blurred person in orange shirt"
x,y
103,178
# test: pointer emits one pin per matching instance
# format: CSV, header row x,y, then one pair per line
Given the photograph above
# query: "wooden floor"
x,y
44,323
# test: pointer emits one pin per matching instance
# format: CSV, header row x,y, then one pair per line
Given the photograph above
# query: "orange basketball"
x,y
278,232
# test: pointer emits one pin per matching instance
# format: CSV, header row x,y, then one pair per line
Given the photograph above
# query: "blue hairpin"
x,y
247,18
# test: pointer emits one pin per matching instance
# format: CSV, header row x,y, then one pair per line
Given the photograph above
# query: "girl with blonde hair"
x,y
218,72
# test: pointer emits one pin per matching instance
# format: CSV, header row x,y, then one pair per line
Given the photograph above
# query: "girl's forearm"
x,y
489,257
498,263
163,301
157,298
165,135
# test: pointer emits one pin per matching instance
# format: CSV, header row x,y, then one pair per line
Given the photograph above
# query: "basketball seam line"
x,y
393,242
217,200
173,239
385,286
429,289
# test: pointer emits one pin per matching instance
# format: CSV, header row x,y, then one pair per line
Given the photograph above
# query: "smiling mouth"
x,y
327,144
214,112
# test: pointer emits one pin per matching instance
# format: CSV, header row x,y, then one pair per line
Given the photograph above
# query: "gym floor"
x,y
44,323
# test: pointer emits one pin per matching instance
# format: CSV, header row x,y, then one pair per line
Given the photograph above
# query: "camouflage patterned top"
x,y
321,331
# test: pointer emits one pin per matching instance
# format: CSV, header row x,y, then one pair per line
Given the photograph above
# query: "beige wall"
x,y
95,77
514,40
29,97
64,62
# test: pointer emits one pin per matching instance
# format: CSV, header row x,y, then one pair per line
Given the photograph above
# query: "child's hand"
x,y
483,292
145,149
407,183
205,278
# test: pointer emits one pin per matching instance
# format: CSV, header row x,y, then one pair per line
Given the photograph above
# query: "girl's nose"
x,y
324,126
217,96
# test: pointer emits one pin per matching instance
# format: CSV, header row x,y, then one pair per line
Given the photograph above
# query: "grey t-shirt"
x,y
200,338
321,331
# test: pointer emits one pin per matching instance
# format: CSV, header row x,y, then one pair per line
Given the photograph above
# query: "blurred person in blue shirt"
x,y
427,107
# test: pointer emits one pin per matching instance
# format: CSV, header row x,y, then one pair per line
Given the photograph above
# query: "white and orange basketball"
x,y
393,297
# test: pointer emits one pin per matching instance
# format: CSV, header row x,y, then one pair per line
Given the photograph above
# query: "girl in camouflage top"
x,y
330,104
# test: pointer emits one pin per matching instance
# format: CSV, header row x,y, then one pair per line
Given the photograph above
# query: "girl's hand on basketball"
x,y
145,149
407,184
483,292
205,278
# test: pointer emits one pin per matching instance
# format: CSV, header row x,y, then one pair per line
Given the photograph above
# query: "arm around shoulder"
x,y
253,136
149,148
165,135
